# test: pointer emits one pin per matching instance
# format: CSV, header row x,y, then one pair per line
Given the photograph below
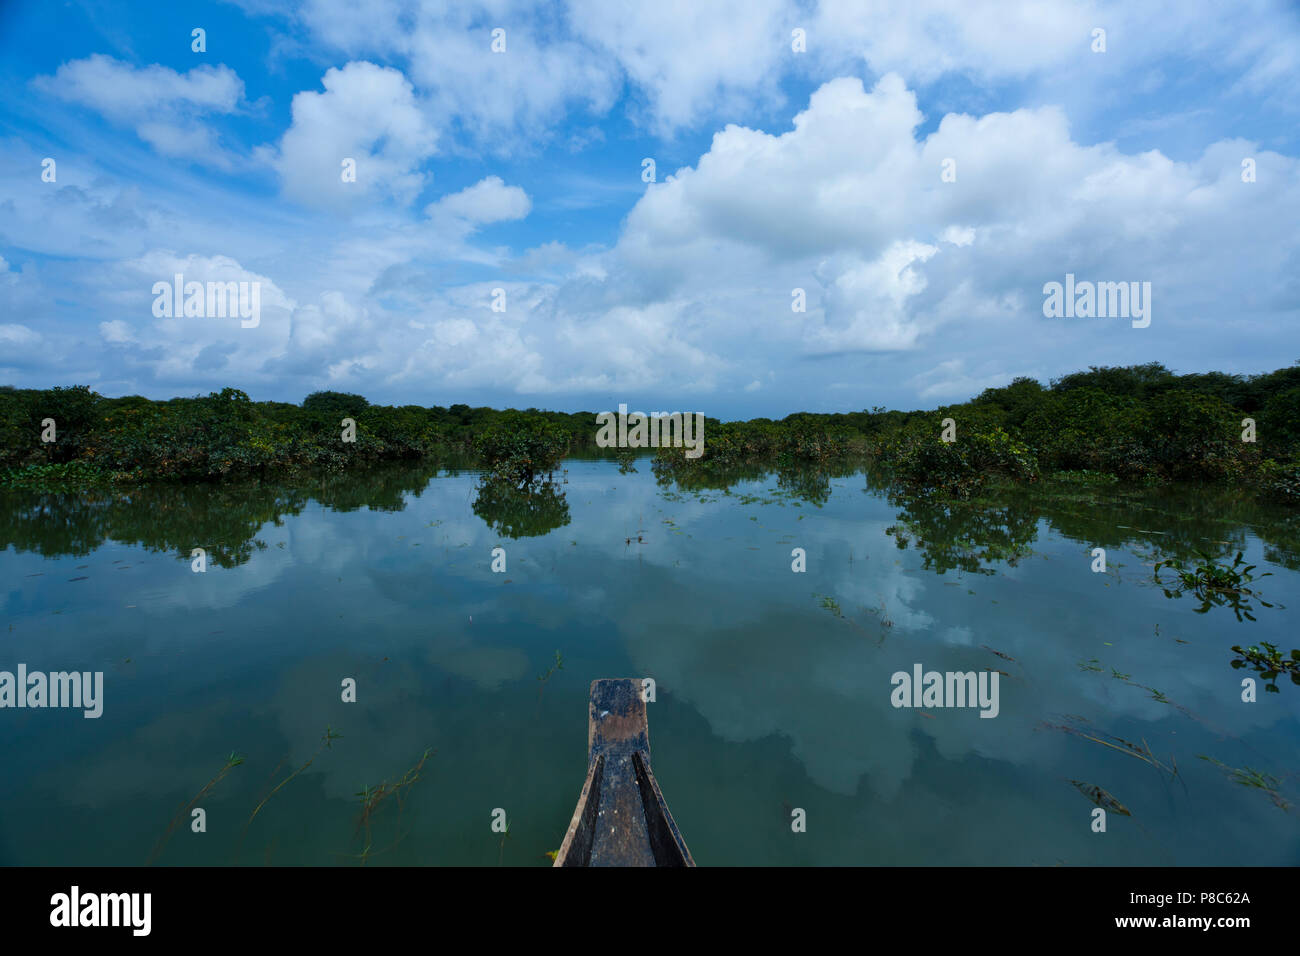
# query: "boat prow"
x,y
621,818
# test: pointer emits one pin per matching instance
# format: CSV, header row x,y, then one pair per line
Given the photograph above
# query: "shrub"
x,y
925,465
520,448
335,405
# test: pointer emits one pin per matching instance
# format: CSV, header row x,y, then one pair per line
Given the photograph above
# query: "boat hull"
x,y
621,818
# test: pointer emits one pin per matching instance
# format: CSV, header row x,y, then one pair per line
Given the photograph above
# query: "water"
x,y
773,687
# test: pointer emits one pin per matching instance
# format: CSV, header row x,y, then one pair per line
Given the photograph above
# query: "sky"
x,y
919,170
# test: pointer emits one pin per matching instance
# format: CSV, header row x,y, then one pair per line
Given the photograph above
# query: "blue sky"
x,y
521,170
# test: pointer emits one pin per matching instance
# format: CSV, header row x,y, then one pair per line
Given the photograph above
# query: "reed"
x,y
373,797
233,761
327,741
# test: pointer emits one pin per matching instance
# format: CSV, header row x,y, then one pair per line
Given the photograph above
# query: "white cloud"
x,y
686,62
116,332
992,39
182,349
866,303
949,381
506,102
164,107
367,114
123,92
487,201
693,296
17,335
691,59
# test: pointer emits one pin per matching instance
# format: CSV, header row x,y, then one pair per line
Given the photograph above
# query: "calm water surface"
x,y
773,687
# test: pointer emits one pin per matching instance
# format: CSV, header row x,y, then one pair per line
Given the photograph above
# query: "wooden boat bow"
x,y
621,818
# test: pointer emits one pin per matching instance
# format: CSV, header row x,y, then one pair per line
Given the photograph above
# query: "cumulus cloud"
x,y
898,255
687,63
690,59
184,349
917,286
503,102
487,201
367,114
16,335
165,108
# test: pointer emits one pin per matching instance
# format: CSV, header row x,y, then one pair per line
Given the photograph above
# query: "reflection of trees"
x,y
521,512
810,482
962,535
702,475
1176,521
1281,537
54,523
1182,522
807,484
223,519
379,489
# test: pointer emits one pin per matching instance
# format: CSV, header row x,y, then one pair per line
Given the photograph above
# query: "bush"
x,y
923,464
1087,429
1279,423
520,448
1194,436
1280,481
335,405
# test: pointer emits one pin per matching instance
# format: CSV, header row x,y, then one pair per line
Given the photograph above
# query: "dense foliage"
x,y
224,435
1138,423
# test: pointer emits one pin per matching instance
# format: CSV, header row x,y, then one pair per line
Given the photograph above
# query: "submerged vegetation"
x,y
233,761
1256,779
1268,662
372,798
1216,585
326,742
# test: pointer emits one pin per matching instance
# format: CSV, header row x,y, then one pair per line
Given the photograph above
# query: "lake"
x,y
772,687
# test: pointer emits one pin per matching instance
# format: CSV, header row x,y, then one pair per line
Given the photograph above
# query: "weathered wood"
x,y
621,818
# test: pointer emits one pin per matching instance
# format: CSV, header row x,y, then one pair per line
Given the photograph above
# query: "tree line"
x,y
1133,423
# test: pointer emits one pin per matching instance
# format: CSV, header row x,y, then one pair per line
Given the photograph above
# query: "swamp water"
x,y
773,688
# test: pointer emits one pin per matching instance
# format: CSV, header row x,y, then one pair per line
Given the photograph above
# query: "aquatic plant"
x,y
1216,585
1250,777
372,797
544,677
1101,798
505,834
1143,752
327,741
1268,662
830,604
557,666
233,761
